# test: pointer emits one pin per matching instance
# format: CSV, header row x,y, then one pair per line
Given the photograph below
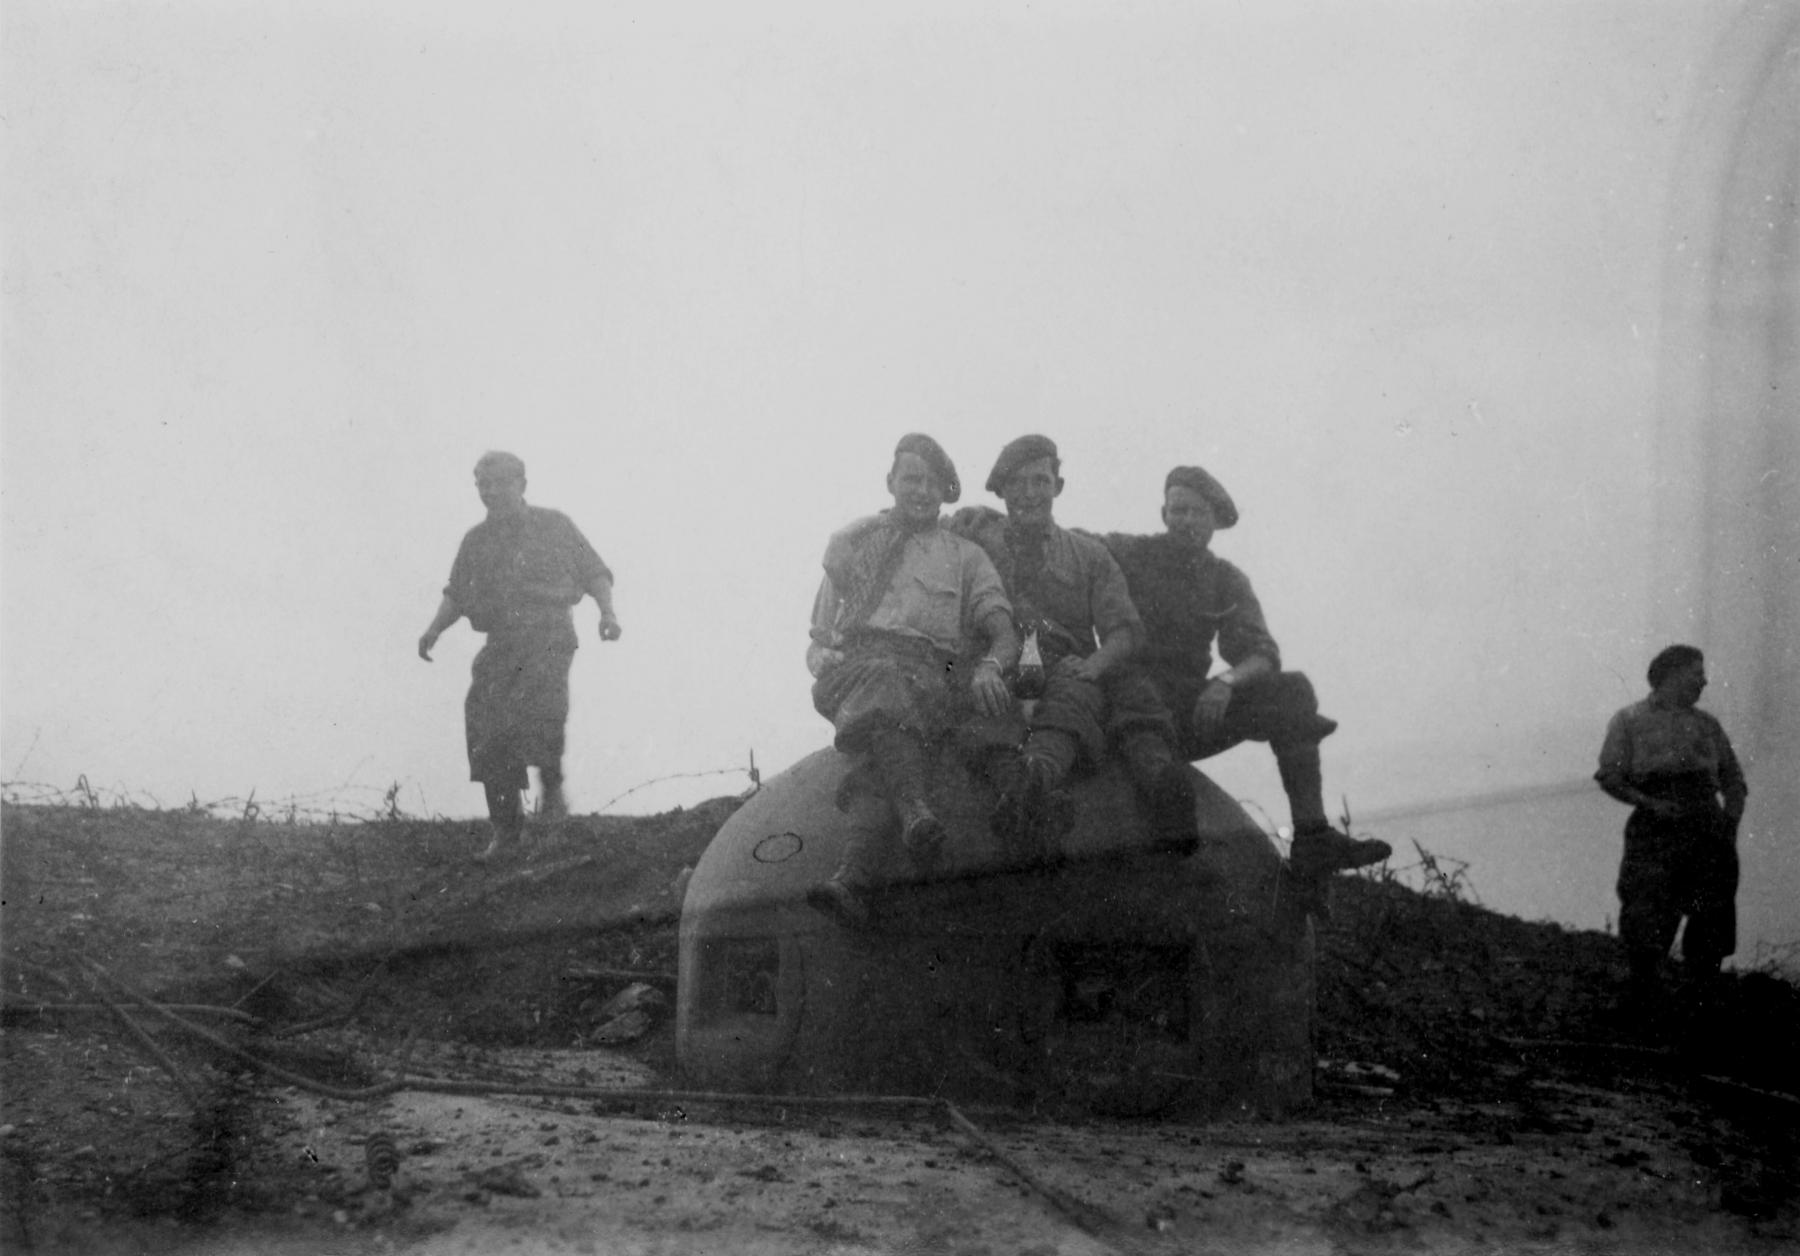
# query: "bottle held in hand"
x,y
1030,684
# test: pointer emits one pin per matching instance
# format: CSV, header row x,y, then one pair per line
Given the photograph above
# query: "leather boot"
x,y
1165,789
1321,850
505,820
1010,819
1030,813
1318,850
899,761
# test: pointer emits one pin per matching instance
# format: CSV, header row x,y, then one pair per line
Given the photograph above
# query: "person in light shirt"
x,y
911,634
1673,765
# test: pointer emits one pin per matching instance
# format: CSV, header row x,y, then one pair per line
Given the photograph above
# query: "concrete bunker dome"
x,y
1123,980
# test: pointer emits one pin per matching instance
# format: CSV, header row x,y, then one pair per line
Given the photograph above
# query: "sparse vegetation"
x,y
348,941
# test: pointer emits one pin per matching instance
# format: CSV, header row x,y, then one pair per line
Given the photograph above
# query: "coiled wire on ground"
x,y
382,1156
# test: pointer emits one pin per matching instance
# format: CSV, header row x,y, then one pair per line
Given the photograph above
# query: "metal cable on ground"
x,y
137,1032
1669,1054
1712,1079
604,1094
186,1009
232,1049
1578,1045
48,974
342,1015
1091,1221
649,977
256,989
163,1060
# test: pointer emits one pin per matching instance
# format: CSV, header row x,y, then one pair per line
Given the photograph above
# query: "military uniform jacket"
x,y
1187,601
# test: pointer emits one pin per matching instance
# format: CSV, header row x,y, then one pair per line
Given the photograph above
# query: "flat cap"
x,y
1224,510
1016,454
933,453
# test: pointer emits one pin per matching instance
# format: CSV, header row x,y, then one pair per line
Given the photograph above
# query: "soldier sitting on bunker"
x,y
1070,599
1188,597
896,660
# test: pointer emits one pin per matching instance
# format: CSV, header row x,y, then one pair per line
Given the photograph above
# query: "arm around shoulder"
x,y
970,520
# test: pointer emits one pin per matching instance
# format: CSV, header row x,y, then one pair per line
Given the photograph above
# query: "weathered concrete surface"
x,y
1123,980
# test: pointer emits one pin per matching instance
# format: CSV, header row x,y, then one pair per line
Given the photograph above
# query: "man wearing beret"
x,y
1674,766
516,576
1189,598
911,633
1067,590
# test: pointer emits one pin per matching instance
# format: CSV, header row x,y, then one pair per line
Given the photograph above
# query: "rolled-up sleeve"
x,y
983,593
1243,632
588,566
460,587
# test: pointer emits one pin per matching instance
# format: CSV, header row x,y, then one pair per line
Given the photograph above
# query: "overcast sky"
x,y
277,275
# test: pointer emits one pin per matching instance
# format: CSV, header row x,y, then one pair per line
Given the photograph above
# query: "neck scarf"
x,y
870,569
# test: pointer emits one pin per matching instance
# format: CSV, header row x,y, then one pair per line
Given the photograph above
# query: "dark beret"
x,y
935,458
1016,454
1223,508
1670,660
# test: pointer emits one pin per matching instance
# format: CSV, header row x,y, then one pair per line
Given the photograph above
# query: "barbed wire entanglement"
x,y
352,804
344,804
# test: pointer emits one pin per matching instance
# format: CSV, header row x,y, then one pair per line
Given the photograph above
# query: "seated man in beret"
x,y
1068,593
911,632
1188,597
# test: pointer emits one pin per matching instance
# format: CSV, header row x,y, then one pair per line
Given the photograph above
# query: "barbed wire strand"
x,y
378,802
674,776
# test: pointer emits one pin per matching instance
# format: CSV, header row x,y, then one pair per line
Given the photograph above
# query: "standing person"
x,y
1070,598
1189,597
1673,765
516,576
911,631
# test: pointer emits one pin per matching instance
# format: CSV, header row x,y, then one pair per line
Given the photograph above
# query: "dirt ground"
x,y
205,1021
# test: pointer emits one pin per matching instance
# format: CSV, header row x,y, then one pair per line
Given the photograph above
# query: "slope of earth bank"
x,y
1476,1086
